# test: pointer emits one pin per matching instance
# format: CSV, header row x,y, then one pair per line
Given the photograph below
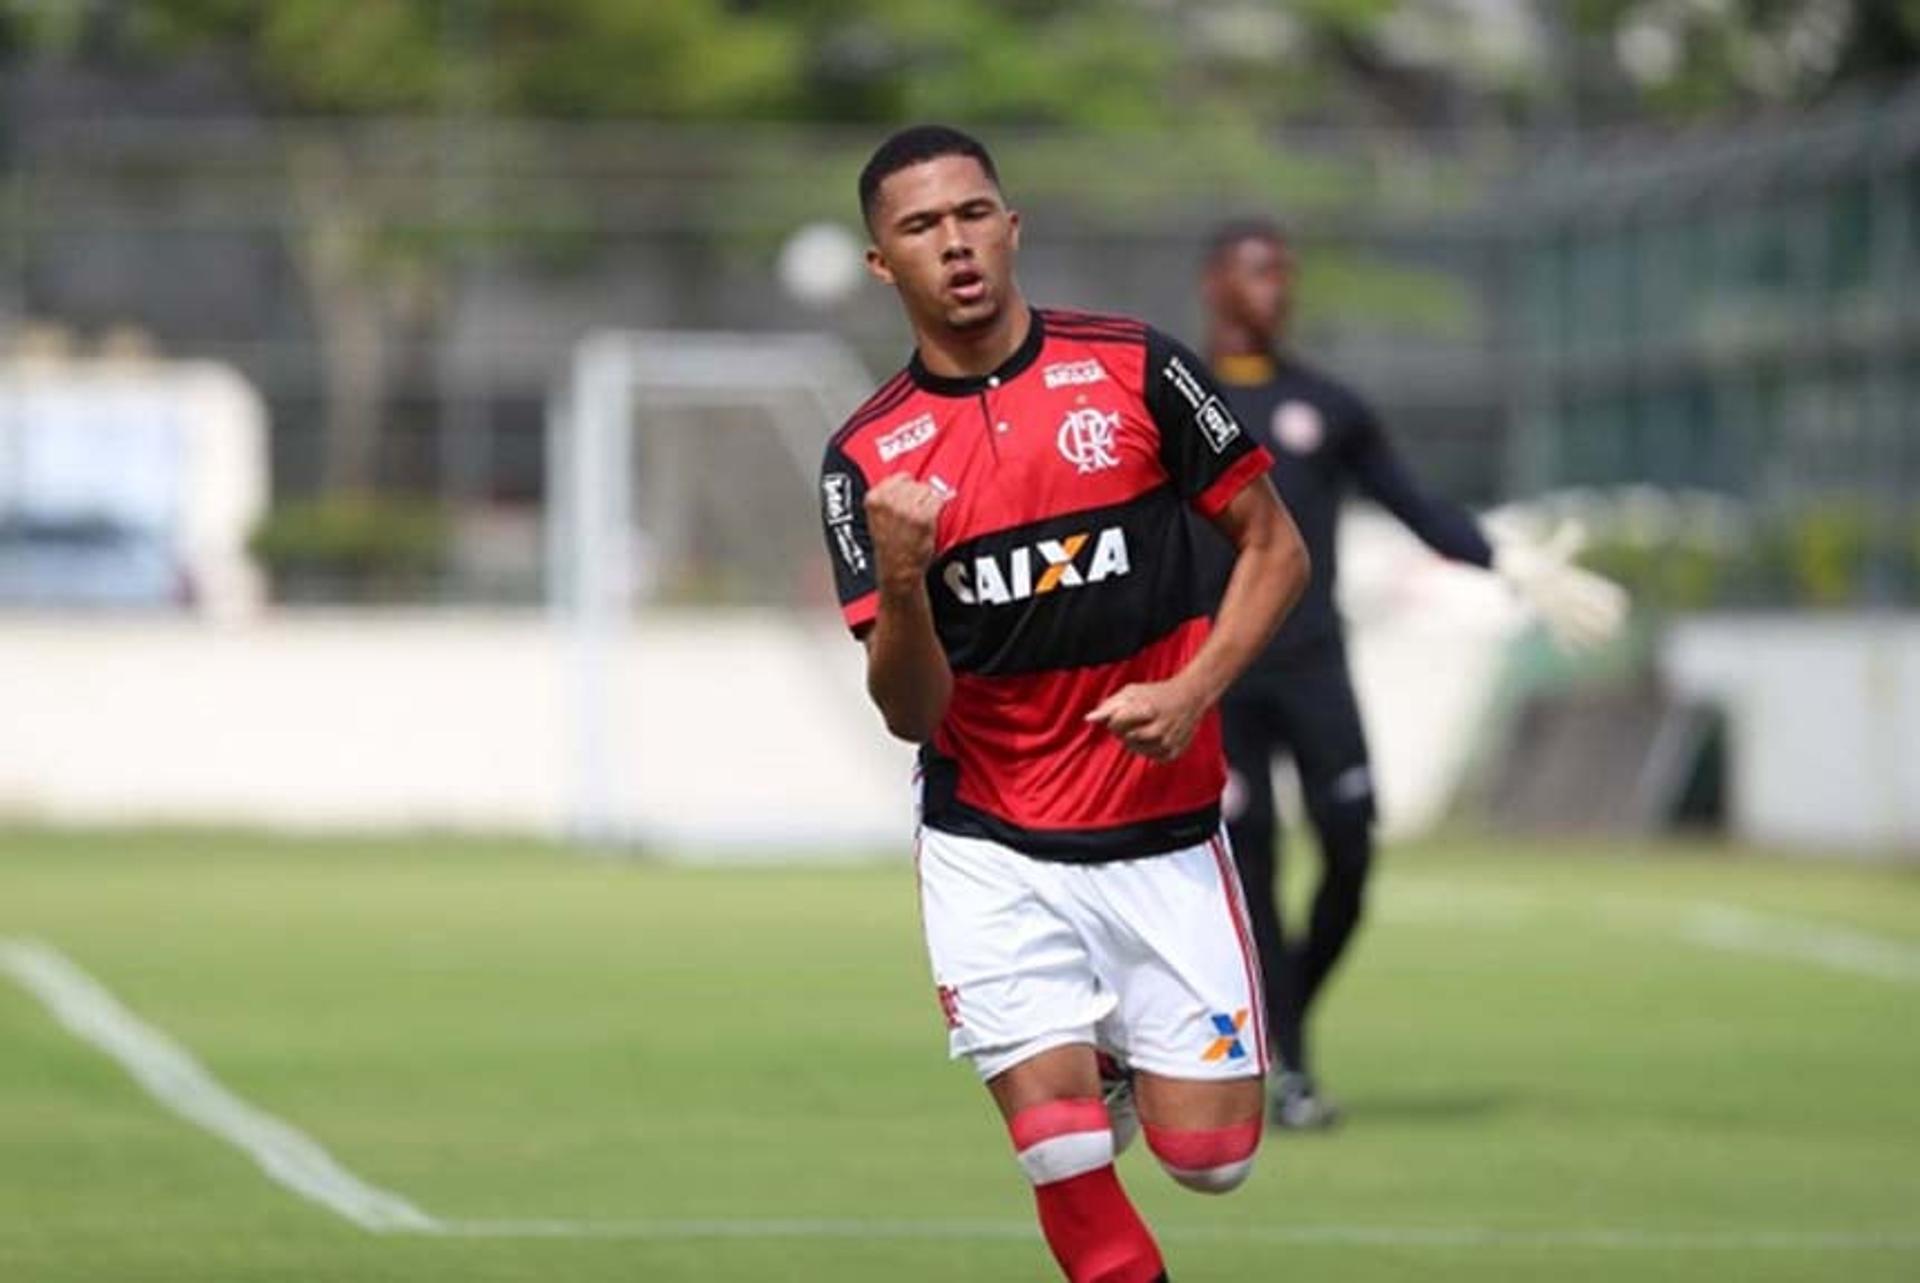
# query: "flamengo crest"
x,y
1086,439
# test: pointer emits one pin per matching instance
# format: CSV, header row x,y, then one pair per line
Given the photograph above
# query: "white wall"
x,y
1824,720
735,732
738,730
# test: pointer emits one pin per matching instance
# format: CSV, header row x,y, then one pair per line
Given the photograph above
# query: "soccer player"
x,y
1296,697
1006,518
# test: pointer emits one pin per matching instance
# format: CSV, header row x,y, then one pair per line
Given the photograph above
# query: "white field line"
x,y
1737,930
1329,1235
290,1158
173,1077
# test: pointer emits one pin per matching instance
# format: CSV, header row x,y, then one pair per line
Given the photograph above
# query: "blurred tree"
x,y
1682,58
1222,71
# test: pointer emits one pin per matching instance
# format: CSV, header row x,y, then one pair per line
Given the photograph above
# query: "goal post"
x,y
712,701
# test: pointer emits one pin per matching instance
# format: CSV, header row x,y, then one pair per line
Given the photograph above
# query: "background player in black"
x,y
1297,698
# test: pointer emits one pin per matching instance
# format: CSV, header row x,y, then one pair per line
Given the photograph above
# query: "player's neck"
x,y
1225,339
973,354
1241,355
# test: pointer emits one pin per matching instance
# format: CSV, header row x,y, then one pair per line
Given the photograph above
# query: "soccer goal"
x,y
714,702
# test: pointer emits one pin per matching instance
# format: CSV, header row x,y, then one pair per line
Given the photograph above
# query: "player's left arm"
x,y
1220,471
1578,607
1447,528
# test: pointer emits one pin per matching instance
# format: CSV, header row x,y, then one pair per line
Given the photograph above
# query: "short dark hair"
x,y
911,146
1233,231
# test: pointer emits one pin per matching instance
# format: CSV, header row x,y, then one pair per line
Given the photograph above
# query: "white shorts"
x,y
1149,959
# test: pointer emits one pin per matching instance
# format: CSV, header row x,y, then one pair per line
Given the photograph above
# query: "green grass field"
x,y
1559,1064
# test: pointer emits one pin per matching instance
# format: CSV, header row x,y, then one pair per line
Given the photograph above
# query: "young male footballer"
x,y
1006,518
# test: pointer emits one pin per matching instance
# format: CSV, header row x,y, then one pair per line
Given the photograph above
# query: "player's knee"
x,y
1062,1139
1209,1161
1346,839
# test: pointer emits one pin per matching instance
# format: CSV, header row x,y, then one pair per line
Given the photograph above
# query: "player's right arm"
x,y
880,540
907,672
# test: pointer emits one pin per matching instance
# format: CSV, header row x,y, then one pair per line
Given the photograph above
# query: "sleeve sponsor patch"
x,y
1185,383
850,550
1217,424
836,498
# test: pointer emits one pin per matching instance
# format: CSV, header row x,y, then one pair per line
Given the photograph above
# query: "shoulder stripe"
x,y
1096,327
1095,321
1080,325
889,396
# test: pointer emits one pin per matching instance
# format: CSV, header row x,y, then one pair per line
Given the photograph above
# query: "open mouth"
x,y
967,285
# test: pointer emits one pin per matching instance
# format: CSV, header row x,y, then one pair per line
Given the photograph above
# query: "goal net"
x,y
715,703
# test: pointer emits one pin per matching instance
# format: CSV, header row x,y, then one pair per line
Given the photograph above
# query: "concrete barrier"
x,y
1823,719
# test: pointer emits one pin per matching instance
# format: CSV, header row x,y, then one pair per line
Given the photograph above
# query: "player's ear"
x,y
877,265
1013,225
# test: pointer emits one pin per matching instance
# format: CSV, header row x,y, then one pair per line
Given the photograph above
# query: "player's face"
x,y
1251,285
944,237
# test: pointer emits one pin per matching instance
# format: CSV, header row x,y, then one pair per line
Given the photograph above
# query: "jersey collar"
x,y
1247,369
1023,356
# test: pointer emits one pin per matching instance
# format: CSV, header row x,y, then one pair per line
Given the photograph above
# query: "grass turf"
x,y
1532,1043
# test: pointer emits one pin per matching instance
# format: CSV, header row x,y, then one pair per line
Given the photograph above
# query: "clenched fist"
x,y
1154,719
902,515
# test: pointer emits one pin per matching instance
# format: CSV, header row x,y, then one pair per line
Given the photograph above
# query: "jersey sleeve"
x,y
843,517
1203,447
1377,468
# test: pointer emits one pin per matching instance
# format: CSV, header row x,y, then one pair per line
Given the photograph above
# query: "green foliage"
x,y
1700,59
1338,287
1824,556
353,547
1826,551
1679,575
1087,64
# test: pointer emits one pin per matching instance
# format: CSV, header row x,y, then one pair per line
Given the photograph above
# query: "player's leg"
x,y
1250,736
1021,1000
1204,1132
1171,936
1322,721
1063,1138
1337,780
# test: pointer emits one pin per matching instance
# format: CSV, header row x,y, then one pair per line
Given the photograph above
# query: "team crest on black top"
x,y
1298,427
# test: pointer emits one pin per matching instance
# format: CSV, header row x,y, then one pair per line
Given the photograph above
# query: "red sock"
x,y
1094,1232
1066,1147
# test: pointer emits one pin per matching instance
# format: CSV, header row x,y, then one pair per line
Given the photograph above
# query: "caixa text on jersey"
x,y
1039,568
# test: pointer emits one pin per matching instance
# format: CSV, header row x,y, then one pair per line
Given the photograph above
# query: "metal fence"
x,y
1730,310
405,292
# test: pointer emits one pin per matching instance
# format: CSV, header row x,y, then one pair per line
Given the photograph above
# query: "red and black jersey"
x,y
1064,569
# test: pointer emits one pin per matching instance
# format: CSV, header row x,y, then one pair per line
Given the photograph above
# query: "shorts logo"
x,y
836,498
906,438
989,581
1069,374
1086,440
949,996
1226,1044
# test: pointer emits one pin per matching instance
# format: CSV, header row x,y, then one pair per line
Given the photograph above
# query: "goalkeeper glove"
x,y
1580,609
